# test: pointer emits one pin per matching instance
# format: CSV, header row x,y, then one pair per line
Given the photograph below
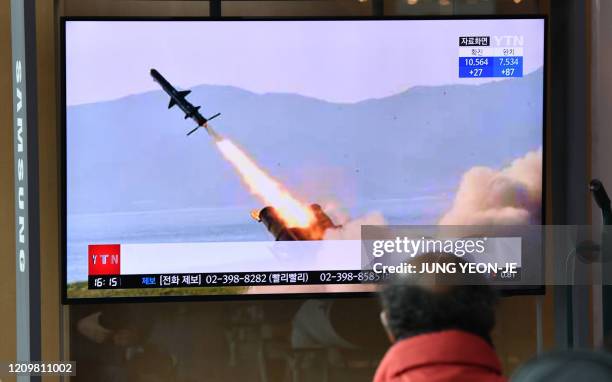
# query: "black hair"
x,y
441,303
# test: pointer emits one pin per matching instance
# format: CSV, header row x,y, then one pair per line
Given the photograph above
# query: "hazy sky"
x,y
336,61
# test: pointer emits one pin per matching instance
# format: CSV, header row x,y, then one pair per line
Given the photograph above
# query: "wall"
x,y
132,8
601,128
48,179
48,183
7,203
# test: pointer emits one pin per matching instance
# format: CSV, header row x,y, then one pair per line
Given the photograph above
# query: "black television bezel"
x,y
65,300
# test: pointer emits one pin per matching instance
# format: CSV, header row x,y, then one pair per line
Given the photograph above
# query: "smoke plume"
x,y
510,196
351,230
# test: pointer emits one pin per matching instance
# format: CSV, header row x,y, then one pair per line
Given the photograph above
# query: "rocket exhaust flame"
x,y
213,133
265,187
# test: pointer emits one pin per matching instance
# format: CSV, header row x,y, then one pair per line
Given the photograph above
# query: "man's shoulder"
x,y
450,355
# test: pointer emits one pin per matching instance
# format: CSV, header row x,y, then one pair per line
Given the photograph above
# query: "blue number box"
x,y
511,66
476,67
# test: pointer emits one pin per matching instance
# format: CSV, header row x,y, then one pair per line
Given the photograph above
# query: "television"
x,y
309,129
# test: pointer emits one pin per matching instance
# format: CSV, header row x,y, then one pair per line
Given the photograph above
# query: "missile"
x,y
179,99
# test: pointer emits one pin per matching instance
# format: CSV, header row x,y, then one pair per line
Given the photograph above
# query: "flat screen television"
x,y
325,125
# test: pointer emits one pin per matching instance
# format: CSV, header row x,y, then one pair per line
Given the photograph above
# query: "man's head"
x,y
429,302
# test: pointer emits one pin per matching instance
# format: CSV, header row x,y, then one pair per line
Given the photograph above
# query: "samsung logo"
x,y
20,169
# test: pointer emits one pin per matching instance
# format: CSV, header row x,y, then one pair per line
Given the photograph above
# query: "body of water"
x,y
229,224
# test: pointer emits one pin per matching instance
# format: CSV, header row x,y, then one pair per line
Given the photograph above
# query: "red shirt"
x,y
445,356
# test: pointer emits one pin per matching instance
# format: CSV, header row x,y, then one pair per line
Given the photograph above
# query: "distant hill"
x,y
132,154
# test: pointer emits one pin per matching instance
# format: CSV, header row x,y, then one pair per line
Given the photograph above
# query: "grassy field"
x,y
80,290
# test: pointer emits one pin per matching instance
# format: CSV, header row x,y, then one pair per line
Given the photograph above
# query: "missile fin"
x,y
184,93
172,103
214,116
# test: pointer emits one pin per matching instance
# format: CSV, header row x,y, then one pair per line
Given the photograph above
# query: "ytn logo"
x,y
104,259
508,40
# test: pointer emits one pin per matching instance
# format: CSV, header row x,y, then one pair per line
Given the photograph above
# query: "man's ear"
x,y
385,323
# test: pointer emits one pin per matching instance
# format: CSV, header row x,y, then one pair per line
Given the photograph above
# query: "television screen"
x,y
307,131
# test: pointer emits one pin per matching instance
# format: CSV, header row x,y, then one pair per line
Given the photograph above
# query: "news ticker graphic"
x,y
490,56
155,265
222,257
193,280
37,368
523,255
317,262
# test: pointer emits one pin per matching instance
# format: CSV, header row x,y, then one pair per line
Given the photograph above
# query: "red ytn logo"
x,y
104,259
